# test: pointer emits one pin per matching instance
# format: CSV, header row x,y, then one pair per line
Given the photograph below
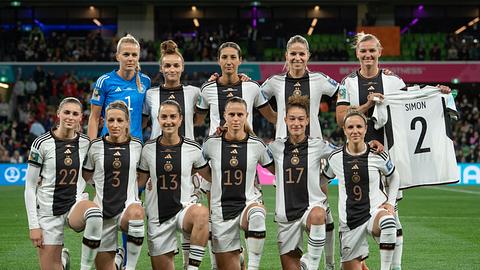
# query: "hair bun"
x,y
168,47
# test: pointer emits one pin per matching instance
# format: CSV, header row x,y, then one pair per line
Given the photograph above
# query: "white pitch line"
x,y
456,190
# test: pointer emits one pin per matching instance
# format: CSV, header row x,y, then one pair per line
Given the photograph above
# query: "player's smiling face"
x,y
117,124
368,53
69,115
229,61
235,116
172,68
296,121
355,129
170,119
128,56
297,57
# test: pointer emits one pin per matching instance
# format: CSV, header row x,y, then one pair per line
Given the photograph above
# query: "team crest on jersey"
x,y
68,161
234,161
34,156
356,178
168,167
117,163
295,160
297,89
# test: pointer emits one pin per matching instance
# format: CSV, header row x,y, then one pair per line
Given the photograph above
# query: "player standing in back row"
x,y
297,81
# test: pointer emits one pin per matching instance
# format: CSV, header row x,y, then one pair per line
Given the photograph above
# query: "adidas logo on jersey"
x,y
118,89
234,151
355,167
297,84
117,154
67,152
295,151
371,88
229,95
171,97
168,156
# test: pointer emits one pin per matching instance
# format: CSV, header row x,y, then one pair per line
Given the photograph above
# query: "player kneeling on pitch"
x,y
111,163
171,204
235,200
54,195
300,202
363,205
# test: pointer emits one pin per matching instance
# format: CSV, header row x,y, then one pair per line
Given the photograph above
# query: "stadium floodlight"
x,y
310,31
474,21
92,8
15,3
194,8
196,23
4,85
316,8
461,29
314,22
97,22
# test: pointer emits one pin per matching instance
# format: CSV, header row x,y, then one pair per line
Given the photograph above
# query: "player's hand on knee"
x,y
36,236
389,208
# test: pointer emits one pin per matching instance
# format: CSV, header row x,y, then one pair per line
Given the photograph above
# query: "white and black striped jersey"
x,y
60,182
313,84
360,189
186,96
170,168
234,169
355,89
419,137
213,98
114,167
297,171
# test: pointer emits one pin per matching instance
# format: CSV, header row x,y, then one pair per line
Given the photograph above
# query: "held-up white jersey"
x,y
114,167
297,172
214,96
419,139
61,182
170,169
313,84
234,168
360,189
354,91
186,96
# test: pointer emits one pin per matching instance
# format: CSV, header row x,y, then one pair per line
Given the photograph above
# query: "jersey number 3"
x,y
423,122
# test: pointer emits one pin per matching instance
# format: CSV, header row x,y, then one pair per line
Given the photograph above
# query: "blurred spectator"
x,y
36,129
31,87
420,53
4,110
16,158
435,52
452,53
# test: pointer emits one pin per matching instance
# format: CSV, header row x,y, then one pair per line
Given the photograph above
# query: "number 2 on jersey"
x,y
423,122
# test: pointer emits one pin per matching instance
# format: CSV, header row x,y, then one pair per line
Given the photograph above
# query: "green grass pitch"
x,y
441,231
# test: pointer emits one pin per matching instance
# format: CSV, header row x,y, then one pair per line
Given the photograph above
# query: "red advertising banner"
x,y
410,72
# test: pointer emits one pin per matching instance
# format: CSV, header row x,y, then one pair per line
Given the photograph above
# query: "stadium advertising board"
x,y
469,175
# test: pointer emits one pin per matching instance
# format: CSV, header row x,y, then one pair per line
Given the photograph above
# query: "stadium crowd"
x,y
30,111
35,45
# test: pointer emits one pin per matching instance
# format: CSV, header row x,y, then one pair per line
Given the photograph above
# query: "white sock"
x,y
91,237
304,262
388,236
119,257
134,242
316,242
330,241
256,236
185,250
397,253
196,256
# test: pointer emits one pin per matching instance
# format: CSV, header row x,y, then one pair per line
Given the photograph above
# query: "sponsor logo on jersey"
x,y
332,82
34,156
96,94
389,165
